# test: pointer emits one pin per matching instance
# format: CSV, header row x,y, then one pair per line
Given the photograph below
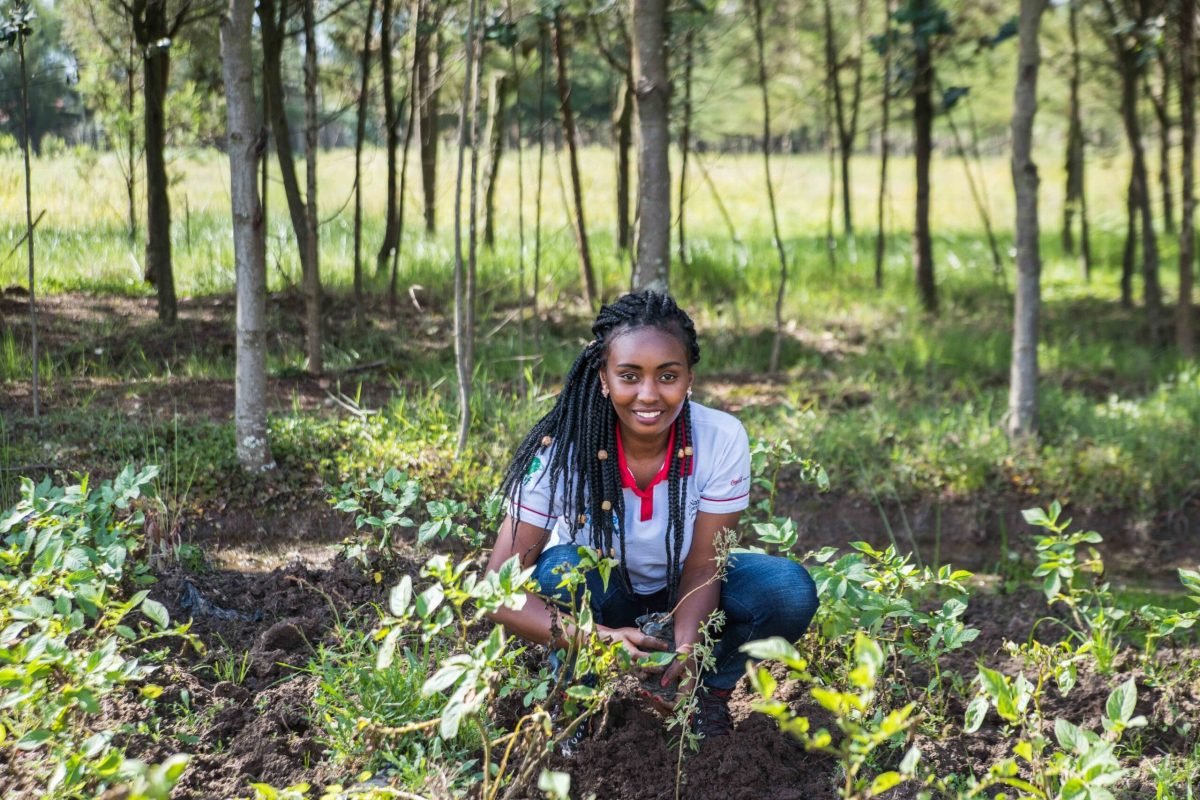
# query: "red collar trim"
x,y
646,495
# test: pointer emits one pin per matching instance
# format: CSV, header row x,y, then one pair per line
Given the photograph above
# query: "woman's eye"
x,y
667,377
629,376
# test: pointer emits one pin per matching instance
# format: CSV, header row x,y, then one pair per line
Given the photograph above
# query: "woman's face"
x,y
647,377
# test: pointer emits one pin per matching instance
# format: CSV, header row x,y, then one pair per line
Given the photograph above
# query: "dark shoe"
x,y
712,714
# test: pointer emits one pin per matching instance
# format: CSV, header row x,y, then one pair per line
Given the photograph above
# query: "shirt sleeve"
x,y
728,487
531,501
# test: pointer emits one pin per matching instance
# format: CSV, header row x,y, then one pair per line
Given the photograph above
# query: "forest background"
x,y
278,250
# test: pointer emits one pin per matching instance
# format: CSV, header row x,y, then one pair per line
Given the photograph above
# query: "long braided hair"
x,y
580,432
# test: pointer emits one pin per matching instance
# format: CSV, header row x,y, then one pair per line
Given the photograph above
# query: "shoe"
x,y
711,718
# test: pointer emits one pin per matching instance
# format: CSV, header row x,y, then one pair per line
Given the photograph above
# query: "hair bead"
x,y
606,505
687,451
602,455
547,440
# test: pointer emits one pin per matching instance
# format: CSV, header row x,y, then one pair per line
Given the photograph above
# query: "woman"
x,y
627,463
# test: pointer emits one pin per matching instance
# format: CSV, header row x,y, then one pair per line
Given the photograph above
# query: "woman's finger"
x,y
652,642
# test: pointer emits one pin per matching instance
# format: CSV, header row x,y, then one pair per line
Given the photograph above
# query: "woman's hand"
x,y
636,643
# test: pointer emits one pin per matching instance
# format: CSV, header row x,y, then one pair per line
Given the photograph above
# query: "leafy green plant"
x,y
68,560
864,727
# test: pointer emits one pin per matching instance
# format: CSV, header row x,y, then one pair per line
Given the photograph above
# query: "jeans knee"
x,y
792,600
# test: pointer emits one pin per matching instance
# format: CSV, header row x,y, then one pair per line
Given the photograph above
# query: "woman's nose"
x,y
648,390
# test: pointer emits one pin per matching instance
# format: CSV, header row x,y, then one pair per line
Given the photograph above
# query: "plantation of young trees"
x,y
284,284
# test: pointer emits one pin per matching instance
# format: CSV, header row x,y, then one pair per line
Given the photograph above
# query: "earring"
x,y
604,390
689,393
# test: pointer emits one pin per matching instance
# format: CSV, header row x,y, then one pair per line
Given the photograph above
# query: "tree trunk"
x,y
1162,110
391,234
884,148
923,81
1185,331
1076,163
427,73
272,24
587,275
1129,253
623,136
1022,394
1152,293
414,102
131,150
760,47
360,133
498,99
153,35
685,139
35,386
653,91
245,146
464,317
312,273
846,123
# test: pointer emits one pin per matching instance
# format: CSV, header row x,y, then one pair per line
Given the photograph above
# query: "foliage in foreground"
x,y
69,571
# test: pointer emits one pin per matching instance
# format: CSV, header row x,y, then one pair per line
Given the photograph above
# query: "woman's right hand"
x,y
636,643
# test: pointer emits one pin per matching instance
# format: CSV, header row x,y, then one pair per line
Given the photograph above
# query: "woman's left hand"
x,y
681,673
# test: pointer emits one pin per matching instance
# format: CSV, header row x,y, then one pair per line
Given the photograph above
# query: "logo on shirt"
x,y
534,466
737,480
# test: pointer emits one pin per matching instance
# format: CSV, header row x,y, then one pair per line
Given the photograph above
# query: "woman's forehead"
x,y
647,343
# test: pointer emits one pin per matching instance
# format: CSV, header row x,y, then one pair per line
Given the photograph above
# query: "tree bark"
x,y
498,100
653,91
1129,252
391,234
587,274
428,69
153,33
246,141
685,139
360,133
1022,394
847,121
923,81
1162,110
1075,149
312,273
1152,293
884,151
623,136
1185,331
464,300
272,23
760,48
35,385
414,102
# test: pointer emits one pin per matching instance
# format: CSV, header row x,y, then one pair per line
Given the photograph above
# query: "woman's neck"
x,y
639,448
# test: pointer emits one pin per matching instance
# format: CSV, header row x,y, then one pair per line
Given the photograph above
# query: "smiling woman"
x,y
650,477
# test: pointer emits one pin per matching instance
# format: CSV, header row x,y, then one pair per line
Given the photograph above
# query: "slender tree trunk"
x,y
498,100
543,59
464,317
843,120
1129,253
760,47
884,148
1022,395
312,273
623,135
1133,129
428,73
685,139
152,32
587,274
923,81
131,150
246,143
653,91
391,234
25,133
1185,331
1162,110
360,133
272,24
414,102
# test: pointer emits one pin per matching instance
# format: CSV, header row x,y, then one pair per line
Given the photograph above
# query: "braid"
x,y
583,422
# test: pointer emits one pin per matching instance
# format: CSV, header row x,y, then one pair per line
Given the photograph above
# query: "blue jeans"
x,y
761,596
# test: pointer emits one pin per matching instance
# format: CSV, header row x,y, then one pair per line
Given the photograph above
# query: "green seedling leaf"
x,y
1121,702
1070,737
883,782
581,692
775,648
157,613
976,713
401,597
555,785
657,660
34,739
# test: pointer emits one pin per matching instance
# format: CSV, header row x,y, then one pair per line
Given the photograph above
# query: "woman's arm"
x,y
534,620
699,591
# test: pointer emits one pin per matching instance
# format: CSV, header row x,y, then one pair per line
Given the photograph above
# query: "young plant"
x,y
864,727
